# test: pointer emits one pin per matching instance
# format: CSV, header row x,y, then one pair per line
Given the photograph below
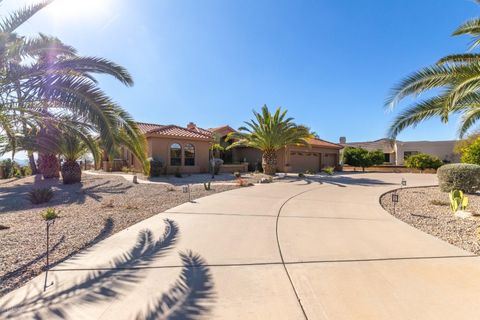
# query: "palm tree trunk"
x,y
269,162
31,161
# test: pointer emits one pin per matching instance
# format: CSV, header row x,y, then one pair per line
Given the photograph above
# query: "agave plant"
x,y
269,133
454,82
44,82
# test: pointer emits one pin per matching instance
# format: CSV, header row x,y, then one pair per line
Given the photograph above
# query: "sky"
x,y
330,63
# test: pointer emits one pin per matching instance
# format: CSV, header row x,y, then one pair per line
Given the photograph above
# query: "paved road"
x,y
292,250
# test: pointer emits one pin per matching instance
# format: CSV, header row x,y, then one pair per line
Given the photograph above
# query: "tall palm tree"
x,y
44,82
269,133
454,82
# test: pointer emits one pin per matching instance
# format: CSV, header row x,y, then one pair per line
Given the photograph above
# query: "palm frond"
x,y
19,17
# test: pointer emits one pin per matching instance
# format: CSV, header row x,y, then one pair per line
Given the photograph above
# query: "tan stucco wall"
x,y
441,149
159,147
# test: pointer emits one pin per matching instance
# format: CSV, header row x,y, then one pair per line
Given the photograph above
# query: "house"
x,y
187,149
397,151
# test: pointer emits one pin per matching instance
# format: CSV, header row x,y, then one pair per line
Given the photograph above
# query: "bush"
x,y
40,195
359,157
459,176
8,168
471,153
423,161
237,174
155,167
329,170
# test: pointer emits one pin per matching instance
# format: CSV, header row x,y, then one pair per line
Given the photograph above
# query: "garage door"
x,y
329,160
303,161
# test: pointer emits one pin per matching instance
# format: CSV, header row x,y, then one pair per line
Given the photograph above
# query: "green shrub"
x,y
459,176
301,175
471,153
155,167
423,161
329,170
177,173
40,195
50,214
8,167
359,157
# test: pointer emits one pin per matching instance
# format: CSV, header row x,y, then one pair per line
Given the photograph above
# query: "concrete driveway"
x,y
316,249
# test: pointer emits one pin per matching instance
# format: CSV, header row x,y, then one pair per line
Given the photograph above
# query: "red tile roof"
x,y
324,144
173,131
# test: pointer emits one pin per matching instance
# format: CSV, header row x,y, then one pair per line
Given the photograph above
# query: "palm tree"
x,y
454,82
43,82
72,148
269,133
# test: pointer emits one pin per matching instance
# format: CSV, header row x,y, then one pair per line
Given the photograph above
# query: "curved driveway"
x,y
321,249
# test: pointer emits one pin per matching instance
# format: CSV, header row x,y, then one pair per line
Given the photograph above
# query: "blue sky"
x,y
331,63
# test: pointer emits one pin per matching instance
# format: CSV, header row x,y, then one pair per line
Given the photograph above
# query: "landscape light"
x,y
404,182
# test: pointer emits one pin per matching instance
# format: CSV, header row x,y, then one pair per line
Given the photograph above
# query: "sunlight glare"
x,y
76,8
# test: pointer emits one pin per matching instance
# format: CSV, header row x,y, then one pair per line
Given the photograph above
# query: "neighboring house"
x,y
187,149
397,151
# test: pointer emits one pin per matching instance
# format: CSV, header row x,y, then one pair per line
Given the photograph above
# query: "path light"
x,y
186,189
395,198
49,217
404,182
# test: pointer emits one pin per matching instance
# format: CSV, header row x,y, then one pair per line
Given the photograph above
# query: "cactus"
x,y
458,201
206,185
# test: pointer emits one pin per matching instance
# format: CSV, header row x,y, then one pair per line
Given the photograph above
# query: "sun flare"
x,y
76,8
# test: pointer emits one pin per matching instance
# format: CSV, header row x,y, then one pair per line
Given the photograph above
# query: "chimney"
x,y
343,140
191,126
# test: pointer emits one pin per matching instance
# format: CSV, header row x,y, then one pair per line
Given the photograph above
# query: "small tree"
x,y
359,157
423,161
471,152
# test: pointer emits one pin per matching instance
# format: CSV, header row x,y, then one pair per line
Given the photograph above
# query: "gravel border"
x,y
89,212
428,209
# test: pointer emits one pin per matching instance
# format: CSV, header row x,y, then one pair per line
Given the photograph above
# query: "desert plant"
x,y
329,170
156,167
423,161
458,201
453,82
177,173
459,176
207,186
269,133
359,157
50,214
237,174
301,175
40,195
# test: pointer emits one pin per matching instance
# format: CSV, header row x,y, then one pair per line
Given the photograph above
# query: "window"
x,y
189,151
175,155
407,154
386,157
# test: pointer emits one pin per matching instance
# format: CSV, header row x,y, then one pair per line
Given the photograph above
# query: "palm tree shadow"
x,y
99,285
189,298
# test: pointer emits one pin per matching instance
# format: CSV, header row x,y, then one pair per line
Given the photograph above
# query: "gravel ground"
x,y
89,212
428,209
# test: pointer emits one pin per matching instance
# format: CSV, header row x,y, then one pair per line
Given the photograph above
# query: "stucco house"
x,y
397,151
187,149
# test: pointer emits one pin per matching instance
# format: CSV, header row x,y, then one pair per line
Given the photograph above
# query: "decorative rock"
x,y
463,214
265,180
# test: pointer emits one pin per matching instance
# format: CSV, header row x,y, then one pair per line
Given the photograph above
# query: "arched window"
x,y
175,155
189,151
